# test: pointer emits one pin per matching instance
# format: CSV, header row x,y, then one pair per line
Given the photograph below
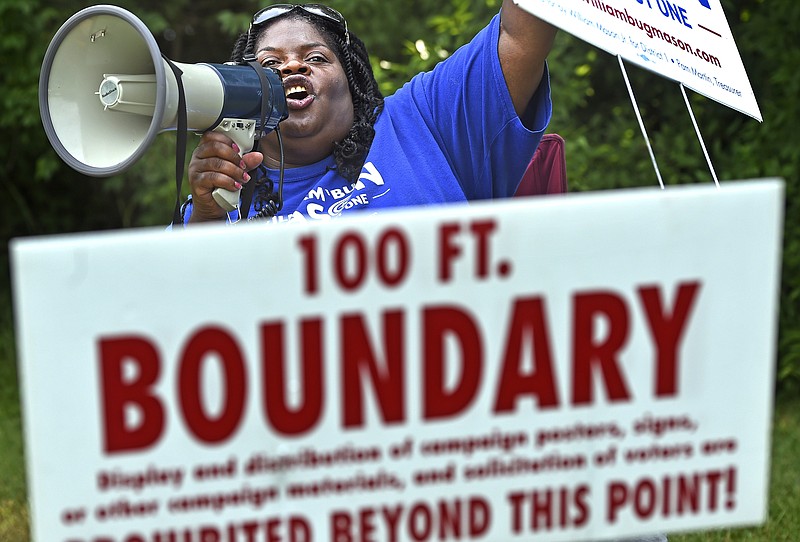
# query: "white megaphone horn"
x,y
106,91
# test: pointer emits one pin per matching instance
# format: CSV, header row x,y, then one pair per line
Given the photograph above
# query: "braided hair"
x,y
349,154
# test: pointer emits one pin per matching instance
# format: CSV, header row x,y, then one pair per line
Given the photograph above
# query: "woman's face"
x,y
317,93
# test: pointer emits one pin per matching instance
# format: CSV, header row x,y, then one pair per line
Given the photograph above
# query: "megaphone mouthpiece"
x,y
128,93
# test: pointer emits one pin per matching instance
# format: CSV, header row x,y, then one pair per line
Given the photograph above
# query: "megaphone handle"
x,y
242,132
227,199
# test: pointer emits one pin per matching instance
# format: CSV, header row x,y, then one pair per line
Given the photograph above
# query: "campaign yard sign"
x,y
688,41
573,367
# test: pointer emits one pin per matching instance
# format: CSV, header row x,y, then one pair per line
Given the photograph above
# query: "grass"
x,y
13,507
783,524
784,512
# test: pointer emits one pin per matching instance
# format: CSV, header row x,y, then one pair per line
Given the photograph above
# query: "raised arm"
x,y
525,42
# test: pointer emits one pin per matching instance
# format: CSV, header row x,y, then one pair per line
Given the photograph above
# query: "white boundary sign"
x,y
578,367
688,41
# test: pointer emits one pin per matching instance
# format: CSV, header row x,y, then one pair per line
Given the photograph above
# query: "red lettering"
x,y
420,522
308,244
481,230
617,496
645,499
667,332
677,495
208,534
283,418
450,520
341,527
119,393
688,493
366,524
666,503
516,499
730,486
451,340
581,506
549,508
203,426
299,530
392,238
448,250
527,322
713,478
438,324
73,515
480,517
542,510
388,382
351,279
443,520
273,528
250,528
602,354
392,518
710,447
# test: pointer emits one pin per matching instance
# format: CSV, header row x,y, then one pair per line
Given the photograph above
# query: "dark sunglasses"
x,y
276,10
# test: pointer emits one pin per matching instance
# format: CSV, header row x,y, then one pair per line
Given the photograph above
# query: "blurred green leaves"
x,y
605,149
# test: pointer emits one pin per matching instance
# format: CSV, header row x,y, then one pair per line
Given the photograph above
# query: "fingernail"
x,y
242,164
246,177
235,147
238,185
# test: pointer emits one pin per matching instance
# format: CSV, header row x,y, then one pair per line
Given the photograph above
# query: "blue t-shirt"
x,y
448,135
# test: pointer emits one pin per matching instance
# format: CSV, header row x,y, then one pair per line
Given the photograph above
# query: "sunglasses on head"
x,y
276,10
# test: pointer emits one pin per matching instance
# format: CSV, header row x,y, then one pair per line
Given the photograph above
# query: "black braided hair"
x,y
349,153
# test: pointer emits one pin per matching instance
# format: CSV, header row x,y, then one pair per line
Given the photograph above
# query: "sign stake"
x,y
641,122
699,136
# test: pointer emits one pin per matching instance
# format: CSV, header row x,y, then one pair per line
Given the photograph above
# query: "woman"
x,y
464,131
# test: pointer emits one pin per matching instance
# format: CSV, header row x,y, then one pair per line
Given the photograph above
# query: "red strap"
x,y
547,170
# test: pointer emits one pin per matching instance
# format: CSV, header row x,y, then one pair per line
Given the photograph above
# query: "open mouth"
x,y
297,92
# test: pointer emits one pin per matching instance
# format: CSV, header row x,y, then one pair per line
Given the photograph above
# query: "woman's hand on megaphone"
x,y
216,163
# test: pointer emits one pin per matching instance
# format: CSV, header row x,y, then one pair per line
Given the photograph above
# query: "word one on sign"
x,y
688,41
568,368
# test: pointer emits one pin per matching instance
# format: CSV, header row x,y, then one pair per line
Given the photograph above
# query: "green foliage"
x,y
13,504
592,111
605,150
783,523
773,149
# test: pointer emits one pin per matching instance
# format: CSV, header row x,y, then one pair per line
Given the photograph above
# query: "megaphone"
x,y
106,91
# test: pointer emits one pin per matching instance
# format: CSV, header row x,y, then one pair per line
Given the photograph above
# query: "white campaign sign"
x,y
688,41
562,368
